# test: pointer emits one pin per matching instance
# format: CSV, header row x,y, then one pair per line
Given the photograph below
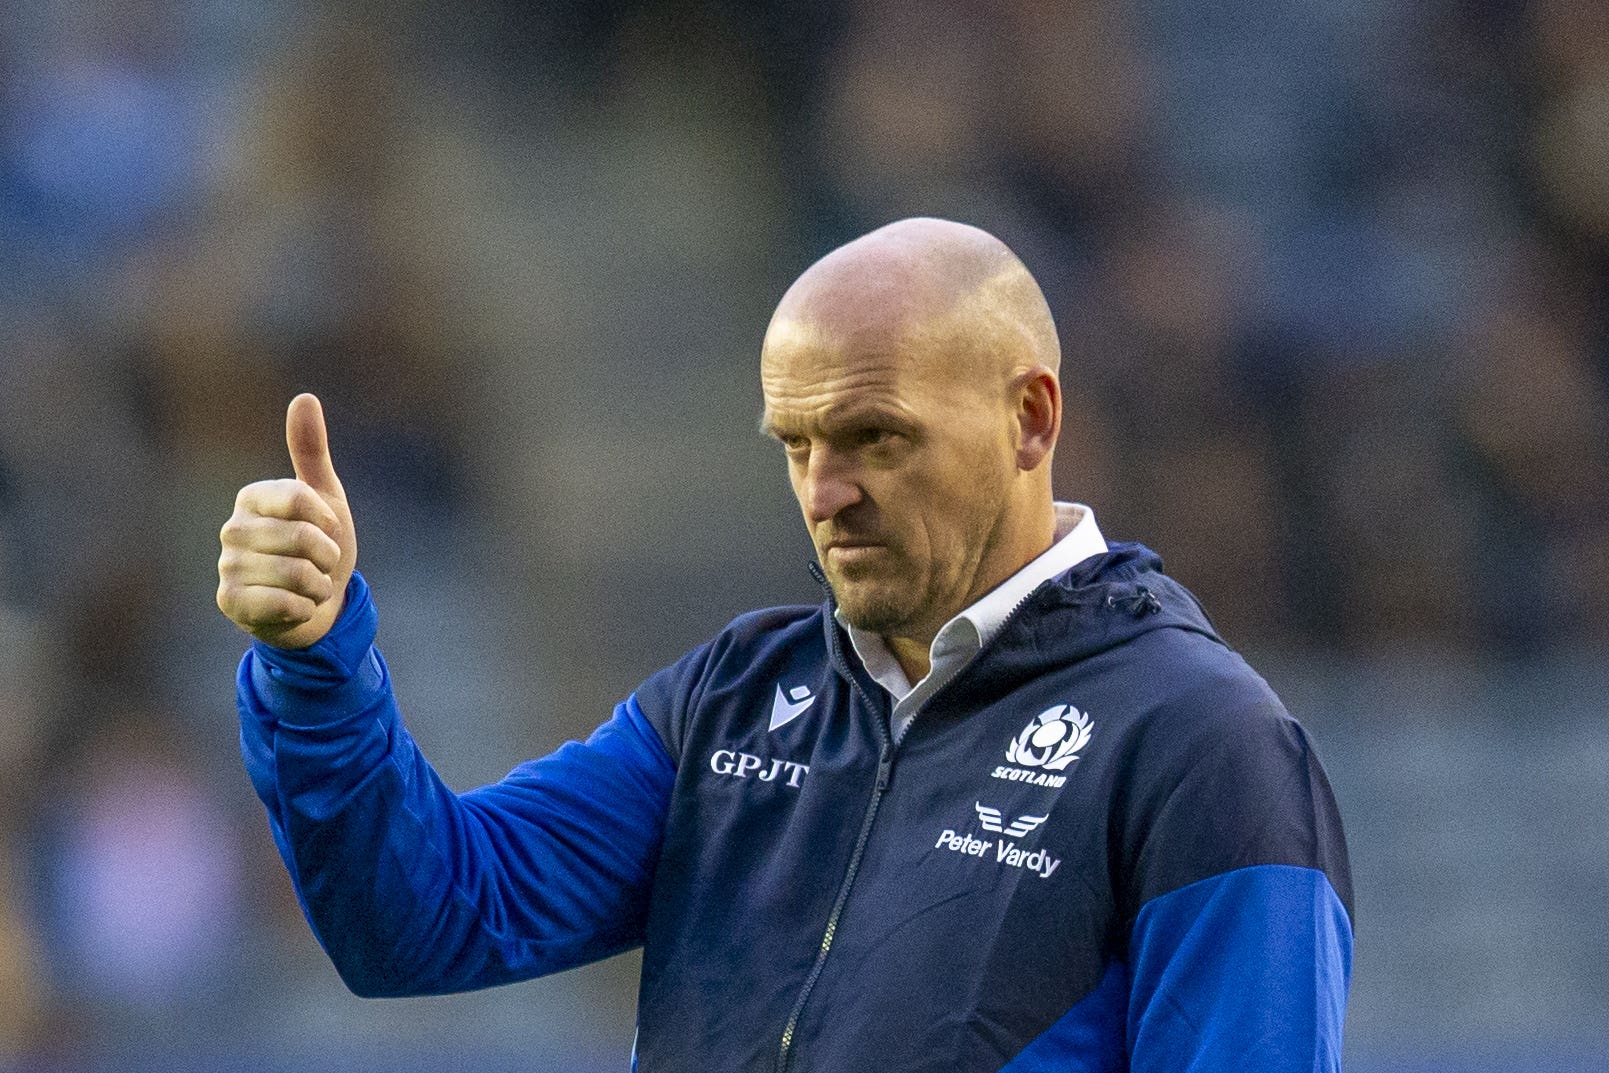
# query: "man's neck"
x,y
913,654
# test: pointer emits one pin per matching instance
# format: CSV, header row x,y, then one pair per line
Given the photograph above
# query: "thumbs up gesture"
x,y
289,547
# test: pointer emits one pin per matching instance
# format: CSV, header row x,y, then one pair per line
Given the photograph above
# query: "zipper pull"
x,y
885,769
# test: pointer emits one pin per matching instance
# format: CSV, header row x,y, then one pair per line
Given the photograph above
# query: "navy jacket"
x,y
1104,845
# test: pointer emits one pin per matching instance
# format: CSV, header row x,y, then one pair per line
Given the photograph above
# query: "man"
x,y
1004,801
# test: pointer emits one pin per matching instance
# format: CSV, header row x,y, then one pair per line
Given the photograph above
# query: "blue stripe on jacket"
x,y
1221,979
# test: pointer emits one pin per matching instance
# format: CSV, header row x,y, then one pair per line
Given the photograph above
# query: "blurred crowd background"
x,y
1330,277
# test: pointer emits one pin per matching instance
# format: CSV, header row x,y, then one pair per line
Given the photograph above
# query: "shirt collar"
x,y
1077,538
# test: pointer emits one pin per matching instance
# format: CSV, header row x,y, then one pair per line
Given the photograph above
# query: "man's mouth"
x,y
849,552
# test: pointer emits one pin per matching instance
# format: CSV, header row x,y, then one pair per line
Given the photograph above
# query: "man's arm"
x,y
413,889
1240,951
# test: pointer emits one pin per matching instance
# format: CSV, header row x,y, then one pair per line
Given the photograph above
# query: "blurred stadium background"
x,y
1330,276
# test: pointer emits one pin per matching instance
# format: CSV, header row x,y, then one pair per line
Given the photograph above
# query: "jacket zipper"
x,y
885,771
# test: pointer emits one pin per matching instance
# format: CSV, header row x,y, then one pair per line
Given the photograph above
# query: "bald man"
x,y
1003,801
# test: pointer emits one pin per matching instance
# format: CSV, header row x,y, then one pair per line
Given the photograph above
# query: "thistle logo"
x,y
784,710
1051,741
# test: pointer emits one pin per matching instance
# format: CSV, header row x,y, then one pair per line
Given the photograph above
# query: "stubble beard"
x,y
880,613
882,602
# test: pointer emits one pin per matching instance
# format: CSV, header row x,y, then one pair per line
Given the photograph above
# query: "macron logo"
x,y
785,711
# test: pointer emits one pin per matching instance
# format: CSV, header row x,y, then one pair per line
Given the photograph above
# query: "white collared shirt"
x,y
961,638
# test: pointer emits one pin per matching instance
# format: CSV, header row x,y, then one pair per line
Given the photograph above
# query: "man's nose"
x,y
829,486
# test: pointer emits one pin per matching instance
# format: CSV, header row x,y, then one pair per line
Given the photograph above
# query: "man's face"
x,y
901,466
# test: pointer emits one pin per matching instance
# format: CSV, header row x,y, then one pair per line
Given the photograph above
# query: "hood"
x,y
1101,603
1104,601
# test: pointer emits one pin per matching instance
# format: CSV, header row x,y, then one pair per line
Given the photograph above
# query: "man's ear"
x,y
1038,405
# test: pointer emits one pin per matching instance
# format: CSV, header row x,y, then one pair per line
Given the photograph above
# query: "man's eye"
x,y
875,437
794,444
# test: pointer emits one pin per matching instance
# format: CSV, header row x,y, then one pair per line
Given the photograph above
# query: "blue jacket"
x,y
1104,845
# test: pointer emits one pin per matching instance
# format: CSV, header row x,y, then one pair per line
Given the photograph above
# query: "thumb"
x,y
309,446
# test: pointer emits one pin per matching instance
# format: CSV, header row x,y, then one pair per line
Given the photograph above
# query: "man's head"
x,y
911,377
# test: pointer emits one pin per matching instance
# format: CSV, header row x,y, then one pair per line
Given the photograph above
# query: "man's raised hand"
x,y
289,547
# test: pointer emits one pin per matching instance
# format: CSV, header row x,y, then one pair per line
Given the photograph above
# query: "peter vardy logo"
x,y
1006,852
785,710
1051,741
993,821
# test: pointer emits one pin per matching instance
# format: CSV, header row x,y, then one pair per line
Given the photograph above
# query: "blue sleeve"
x,y
1240,948
413,889
1246,971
